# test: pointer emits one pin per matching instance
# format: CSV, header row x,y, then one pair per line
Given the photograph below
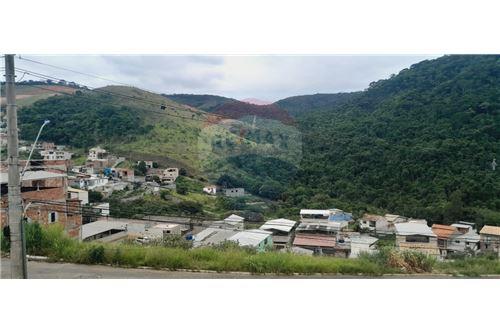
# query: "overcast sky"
x,y
268,78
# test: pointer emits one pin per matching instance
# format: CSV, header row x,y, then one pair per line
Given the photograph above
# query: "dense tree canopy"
x,y
419,143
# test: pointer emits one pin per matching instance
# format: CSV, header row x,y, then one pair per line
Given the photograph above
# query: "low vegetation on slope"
x,y
51,241
207,103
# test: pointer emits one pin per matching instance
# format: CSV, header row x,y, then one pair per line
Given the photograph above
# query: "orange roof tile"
x,y
490,230
443,231
314,240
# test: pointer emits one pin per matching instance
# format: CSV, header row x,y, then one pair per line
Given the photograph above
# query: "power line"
x,y
120,94
74,71
121,105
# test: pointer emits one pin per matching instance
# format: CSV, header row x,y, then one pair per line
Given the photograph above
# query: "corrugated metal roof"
x,y
212,236
324,212
251,237
444,231
32,175
372,217
234,218
314,240
323,225
409,228
95,228
363,239
279,224
490,230
470,236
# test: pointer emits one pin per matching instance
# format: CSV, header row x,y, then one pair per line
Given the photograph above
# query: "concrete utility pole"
x,y
17,247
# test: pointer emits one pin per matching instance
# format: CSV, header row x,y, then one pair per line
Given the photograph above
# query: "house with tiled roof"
x,y
490,239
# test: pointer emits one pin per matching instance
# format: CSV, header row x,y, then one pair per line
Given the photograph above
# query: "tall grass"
x,y
57,246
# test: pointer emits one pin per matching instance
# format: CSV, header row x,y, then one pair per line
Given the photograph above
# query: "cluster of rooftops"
x,y
324,232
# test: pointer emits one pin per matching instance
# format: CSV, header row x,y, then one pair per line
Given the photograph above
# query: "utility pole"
x,y
17,247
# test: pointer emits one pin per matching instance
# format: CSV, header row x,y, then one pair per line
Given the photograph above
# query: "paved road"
x,y
45,270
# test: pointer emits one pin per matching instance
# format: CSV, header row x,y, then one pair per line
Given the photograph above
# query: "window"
x,y
417,239
52,217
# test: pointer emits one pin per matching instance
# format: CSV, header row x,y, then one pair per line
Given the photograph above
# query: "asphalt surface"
x,y
46,270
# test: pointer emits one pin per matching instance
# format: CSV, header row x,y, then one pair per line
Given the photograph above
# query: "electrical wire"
x,y
100,90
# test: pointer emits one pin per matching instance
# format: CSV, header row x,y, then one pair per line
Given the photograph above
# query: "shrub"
x,y
5,239
34,238
95,255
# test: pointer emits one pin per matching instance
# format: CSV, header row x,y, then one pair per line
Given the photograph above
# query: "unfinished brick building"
x,y
45,200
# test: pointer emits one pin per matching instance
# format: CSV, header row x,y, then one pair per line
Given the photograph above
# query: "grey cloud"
x,y
264,77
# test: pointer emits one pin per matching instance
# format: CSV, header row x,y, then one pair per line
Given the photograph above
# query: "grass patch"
x,y
52,242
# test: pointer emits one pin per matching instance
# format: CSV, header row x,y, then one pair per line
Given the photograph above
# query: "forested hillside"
x,y
203,102
297,105
420,144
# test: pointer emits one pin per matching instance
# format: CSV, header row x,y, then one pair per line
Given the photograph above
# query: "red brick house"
x,y
45,200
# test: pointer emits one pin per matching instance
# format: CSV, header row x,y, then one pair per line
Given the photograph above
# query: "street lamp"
x,y
46,122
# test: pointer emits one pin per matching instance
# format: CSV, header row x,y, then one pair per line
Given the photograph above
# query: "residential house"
x,y
97,153
373,222
318,243
233,222
445,237
149,164
234,192
89,182
82,195
256,238
490,239
362,244
282,231
169,175
212,236
210,189
124,174
101,209
467,240
324,220
140,230
59,155
416,236
379,224
162,230
45,200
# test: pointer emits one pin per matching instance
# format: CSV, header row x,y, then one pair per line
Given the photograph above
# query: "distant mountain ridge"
x,y
297,105
238,109
204,102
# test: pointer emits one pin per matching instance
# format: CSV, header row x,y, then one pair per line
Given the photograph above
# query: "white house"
x,y
92,182
55,155
233,221
362,244
210,189
97,153
468,239
82,195
324,220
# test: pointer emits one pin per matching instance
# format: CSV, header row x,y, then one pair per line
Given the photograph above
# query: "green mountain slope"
x,y
204,102
296,105
419,144
144,126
